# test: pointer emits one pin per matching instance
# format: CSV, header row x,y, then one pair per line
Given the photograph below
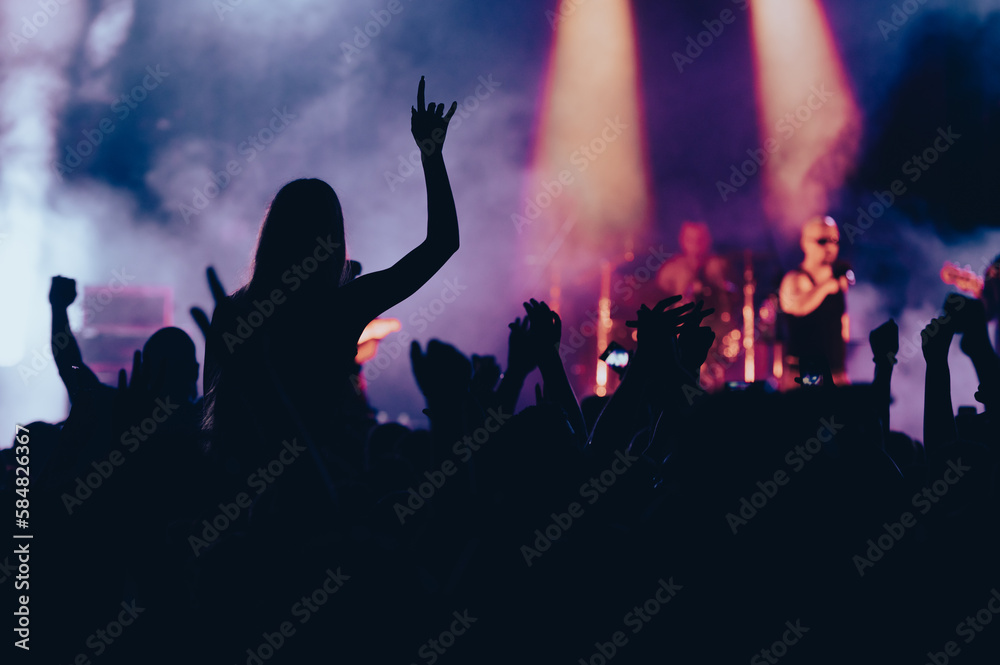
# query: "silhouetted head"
x,y
301,241
695,239
170,364
820,241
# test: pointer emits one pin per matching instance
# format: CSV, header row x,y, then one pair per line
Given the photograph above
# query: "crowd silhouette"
x,y
275,521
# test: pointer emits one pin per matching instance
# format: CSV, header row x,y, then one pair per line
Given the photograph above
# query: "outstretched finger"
x,y
451,111
667,302
420,95
218,293
199,316
697,315
678,311
417,356
136,369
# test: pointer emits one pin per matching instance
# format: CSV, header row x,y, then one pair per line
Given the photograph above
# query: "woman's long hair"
x,y
303,228
304,223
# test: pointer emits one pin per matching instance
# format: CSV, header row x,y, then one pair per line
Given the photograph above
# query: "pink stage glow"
x,y
806,107
588,191
590,162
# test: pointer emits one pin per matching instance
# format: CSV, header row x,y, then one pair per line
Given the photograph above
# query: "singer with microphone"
x,y
813,298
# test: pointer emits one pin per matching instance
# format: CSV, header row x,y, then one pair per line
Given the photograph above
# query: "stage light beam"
x,y
590,162
806,105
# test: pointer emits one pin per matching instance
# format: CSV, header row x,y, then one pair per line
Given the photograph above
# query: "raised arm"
x,y
976,345
520,362
544,333
65,350
939,416
799,297
884,342
378,291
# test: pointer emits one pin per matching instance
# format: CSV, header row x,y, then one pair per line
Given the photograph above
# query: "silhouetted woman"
x,y
288,337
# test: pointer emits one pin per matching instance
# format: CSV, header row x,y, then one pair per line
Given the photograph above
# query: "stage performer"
x,y
698,274
813,297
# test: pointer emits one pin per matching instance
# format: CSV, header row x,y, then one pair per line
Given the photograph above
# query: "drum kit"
x,y
746,320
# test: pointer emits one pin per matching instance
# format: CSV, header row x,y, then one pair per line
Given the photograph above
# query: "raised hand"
x,y
884,342
520,359
63,292
221,301
936,339
443,373
657,332
969,315
485,374
544,333
429,124
137,382
660,320
133,398
694,340
544,329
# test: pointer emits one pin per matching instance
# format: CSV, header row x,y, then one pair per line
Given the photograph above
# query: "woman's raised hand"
x,y
429,124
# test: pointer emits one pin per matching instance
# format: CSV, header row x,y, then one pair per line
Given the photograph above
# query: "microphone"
x,y
842,268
